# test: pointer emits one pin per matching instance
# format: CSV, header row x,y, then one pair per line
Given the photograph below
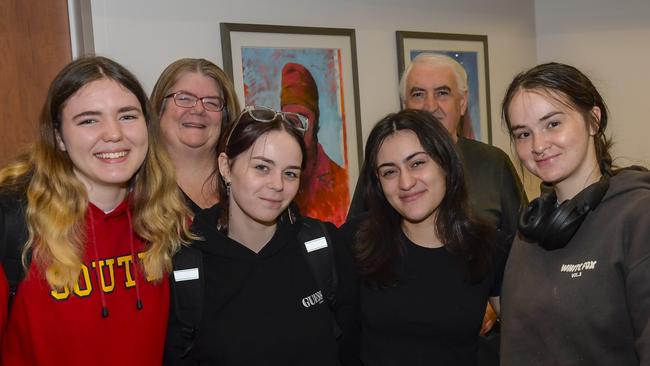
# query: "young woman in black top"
x,y
427,267
262,303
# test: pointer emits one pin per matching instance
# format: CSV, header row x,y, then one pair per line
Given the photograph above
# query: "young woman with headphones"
x,y
576,288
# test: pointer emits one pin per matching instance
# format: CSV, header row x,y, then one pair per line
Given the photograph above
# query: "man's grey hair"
x,y
435,59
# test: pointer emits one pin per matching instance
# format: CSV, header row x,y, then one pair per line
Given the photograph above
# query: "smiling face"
x,y
191,128
435,89
553,141
104,132
412,182
264,179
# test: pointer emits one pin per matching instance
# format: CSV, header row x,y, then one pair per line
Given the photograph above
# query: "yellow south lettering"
x,y
141,255
111,273
125,261
87,288
61,294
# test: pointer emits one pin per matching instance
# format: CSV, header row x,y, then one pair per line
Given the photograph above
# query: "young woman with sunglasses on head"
x,y
78,210
576,288
427,268
262,304
196,101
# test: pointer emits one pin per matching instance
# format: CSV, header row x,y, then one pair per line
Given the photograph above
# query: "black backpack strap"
x,y
187,290
319,251
13,234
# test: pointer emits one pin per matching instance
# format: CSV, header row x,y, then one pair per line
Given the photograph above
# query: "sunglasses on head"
x,y
265,114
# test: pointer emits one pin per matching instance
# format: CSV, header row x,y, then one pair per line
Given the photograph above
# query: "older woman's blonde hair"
x,y
172,73
56,200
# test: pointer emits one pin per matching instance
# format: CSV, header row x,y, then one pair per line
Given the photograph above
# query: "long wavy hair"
x,y
57,201
570,87
379,242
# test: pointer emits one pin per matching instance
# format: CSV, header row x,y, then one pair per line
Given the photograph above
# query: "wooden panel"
x,y
35,44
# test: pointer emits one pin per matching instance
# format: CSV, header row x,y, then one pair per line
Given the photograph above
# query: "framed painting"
x,y
312,71
471,51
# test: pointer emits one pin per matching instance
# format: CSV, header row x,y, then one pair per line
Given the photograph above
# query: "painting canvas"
x,y
471,52
290,73
262,71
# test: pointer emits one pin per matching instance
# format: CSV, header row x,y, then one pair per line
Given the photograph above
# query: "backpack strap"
x,y
188,281
319,252
13,236
187,287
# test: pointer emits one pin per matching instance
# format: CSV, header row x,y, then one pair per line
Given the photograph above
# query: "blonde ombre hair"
x,y
56,201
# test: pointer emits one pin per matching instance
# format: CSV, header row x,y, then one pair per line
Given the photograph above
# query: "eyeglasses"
x,y
266,114
189,100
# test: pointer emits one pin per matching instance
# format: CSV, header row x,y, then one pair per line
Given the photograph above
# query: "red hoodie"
x,y
47,327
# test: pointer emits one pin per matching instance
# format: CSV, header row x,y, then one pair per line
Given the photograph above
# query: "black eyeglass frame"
x,y
196,100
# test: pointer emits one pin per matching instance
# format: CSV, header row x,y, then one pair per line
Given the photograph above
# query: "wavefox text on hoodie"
x,y
576,288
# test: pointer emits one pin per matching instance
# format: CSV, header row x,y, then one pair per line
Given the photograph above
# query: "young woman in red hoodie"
x,y
102,219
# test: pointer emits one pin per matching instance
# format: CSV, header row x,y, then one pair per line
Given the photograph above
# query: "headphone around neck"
x,y
552,226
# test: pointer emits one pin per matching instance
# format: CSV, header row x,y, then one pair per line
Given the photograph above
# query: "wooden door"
x,y
34,46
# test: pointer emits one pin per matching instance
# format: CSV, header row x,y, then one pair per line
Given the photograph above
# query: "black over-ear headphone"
x,y
552,226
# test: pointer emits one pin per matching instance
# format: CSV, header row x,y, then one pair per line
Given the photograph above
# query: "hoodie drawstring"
x,y
138,301
98,275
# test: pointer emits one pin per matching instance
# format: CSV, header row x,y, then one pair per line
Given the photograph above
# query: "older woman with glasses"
x,y
264,299
195,101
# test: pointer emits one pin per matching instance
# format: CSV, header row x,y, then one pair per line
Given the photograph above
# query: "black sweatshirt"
x,y
265,308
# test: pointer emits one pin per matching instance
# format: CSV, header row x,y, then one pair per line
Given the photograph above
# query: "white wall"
x,y
609,41
147,35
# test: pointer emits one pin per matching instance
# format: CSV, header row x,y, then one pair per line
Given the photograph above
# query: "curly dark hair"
x,y
379,240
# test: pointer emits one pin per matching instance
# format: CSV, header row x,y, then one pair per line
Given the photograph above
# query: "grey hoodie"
x,y
589,302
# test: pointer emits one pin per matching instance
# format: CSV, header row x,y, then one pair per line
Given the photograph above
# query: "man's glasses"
x,y
266,114
188,100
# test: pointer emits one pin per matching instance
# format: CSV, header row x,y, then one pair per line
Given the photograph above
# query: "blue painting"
x,y
307,81
262,74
